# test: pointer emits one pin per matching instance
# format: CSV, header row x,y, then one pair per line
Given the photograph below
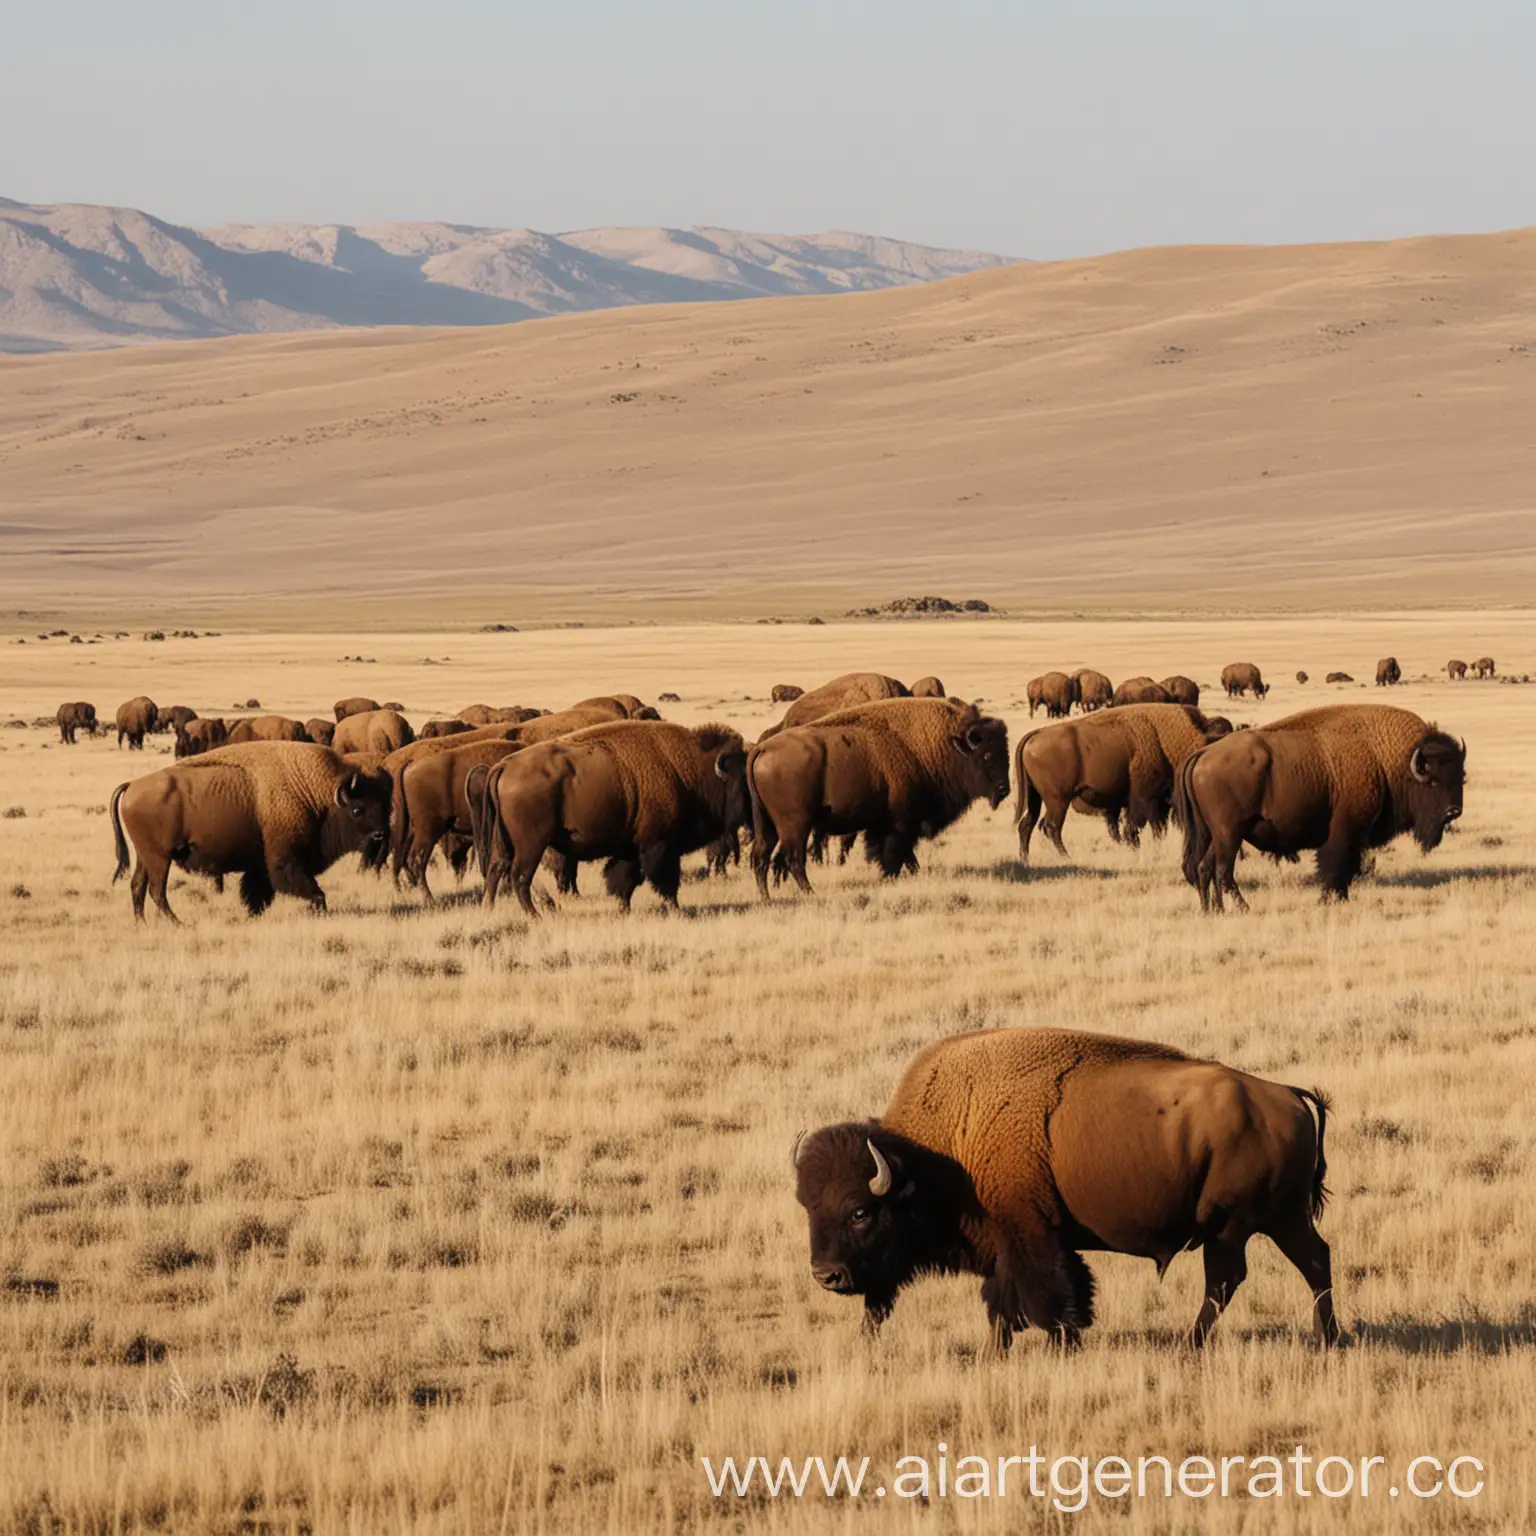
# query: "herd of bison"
x,y
1218,1155
276,801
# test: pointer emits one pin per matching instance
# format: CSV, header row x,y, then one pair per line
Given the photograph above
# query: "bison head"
x,y
364,800
1217,726
1437,772
983,743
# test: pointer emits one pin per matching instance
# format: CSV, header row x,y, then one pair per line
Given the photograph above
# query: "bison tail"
x,y
1320,1103
120,842
477,793
1021,778
764,833
1187,816
402,827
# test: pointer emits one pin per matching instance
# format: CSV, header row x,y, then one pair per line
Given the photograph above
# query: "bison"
x,y
1338,677
846,692
623,706
639,794
1006,1153
321,732
355,706
1456,671
201,735
1181,690
135,720
277,814
1484,666
267,728
378,730
1118,763
1301,677
1343,780
928,688
895,771
1139,690
1388,673
1241,677
70,718
786,693
1054,692
435,728
434,805
1094,690
174,718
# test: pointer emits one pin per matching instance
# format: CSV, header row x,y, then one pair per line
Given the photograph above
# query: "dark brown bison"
x,y
135,720
1338,677
355,706
896,771
1114,764
846,692
435,728
1343,780
321,732
1301,677
1242,677
1456,671
1484,666
266,728
201,735
378,730
786,693
174,718
1181,690
1094,690
1006,1153
1054,692
434,805
928,688
1388,673
275,813
639,794
1139,690
70,718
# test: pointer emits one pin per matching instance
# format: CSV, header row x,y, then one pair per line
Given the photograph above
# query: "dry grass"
x,y
441,1220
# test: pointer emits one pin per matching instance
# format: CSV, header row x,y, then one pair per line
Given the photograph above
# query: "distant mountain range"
x,y
76,275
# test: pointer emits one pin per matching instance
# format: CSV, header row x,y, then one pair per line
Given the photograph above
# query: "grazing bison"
x,y
135,720
619,706
321,732
70,718
1388,673
1342,779
928,688
1483,666
1338,677
1301,677
786,693
846,692
377,730
275,813
355,706
1240,677
201,735
485,714
1121,762
476,714
1094,690
432,795
435,728
174,718
1006,1153
1054,692
639,794
897,771
1139,690
267,728
1181,690
1456,671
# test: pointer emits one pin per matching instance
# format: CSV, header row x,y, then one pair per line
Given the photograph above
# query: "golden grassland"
x,y
445,1220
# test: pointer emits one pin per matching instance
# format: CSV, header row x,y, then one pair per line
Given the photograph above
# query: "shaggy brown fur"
x,y
896,771
1338,677
1181,689
74,717
275,813
1140,690
618,706
1342,779
201,735
845,692
175,717
355,706
638,794
434,804
321,732
436,728
1388,673
1094,690
266,728
928,688
1006,1153
378,730
1241,676
135,720
1055,692
1484,666
786,693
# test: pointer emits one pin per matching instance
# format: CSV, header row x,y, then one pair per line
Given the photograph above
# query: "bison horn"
x,y
881,1183
794,1155
1463,745
1416,765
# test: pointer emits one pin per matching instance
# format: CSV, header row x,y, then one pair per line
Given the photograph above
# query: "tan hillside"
x,y
1293,427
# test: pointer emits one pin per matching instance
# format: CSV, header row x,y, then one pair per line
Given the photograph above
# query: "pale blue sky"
x,y
1028,128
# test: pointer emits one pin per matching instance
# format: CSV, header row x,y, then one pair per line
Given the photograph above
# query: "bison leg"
x,y
1028,819
294,880
256,891
845,846
1218,873
457,849
1338,863
1226,1267
139,887
1038,1280
622,878
1055,820
662,865
1308,1250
